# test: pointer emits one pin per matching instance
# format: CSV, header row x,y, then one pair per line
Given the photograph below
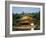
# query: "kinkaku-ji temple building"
x,y
26,23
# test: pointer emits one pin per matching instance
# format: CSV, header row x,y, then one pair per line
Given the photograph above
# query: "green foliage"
x,y
15,17
36,16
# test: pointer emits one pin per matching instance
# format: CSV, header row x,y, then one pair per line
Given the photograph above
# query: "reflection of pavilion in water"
x,y
25,23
